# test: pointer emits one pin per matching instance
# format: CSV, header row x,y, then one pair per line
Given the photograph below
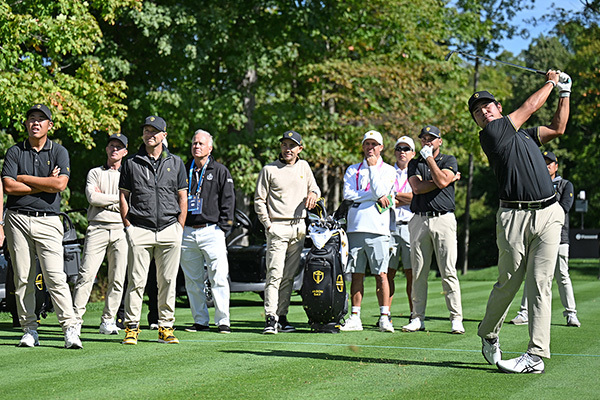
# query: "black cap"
x,y
478,97
292,135
40,107
431,130
550,156
156,122
120,137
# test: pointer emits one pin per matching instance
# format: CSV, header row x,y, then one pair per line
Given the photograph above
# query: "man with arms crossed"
x,y
529,219
104,235
210,213
433,228
153,189
35,172
285,189
370,184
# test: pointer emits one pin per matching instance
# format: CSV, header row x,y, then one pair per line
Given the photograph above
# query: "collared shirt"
x,y
217,194
401,185
22,159
518,164
364,185
441,200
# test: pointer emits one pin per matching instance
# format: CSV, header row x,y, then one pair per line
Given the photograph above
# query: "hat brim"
x,y
485,100
155,126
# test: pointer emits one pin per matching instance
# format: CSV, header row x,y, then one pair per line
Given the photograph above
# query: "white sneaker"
x,y
520,319
414,325
491,350
109,328
525,364
457,327
77,327
352,324
385,325
572,320
29,339
72,340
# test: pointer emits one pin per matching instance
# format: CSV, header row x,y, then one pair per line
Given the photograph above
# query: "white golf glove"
x,y
426,151
564,85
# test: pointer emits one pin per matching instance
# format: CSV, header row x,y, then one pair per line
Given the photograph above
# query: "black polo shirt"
x,y
441,200
22,159
517,162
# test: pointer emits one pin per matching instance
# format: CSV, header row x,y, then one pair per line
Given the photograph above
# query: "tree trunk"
x,y
465,267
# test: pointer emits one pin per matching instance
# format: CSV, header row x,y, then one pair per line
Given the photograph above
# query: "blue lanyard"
x,y
199,187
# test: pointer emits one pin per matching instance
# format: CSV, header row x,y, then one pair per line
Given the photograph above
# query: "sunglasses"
x,y
405,149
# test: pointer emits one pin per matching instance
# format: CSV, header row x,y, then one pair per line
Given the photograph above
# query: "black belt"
x,y
200,226
431,213
401,222
528,205
37,213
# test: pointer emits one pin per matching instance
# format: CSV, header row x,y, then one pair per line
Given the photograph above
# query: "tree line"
x,y
248,70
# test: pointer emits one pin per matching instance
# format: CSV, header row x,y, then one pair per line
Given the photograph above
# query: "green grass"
x,y
350,365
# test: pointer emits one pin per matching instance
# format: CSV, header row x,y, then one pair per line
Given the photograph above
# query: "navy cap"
x,y
292,135
431,130
120,137
479,97
550,156
40,107
156,122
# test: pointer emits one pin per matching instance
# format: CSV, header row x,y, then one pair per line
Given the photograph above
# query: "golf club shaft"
x,y
537,71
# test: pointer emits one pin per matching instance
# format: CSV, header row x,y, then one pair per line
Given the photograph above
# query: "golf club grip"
x,y
540,72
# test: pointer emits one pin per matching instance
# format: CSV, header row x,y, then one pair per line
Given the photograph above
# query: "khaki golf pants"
x,y
42,236
285,241
563,281
429,235
102,239
528,243
165,247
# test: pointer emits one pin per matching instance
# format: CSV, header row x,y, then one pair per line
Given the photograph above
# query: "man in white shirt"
x,y
370,185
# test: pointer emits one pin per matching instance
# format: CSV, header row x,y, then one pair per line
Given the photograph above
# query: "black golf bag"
x,y
324,295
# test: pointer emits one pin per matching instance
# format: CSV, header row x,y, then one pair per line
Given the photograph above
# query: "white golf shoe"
x,y
525,364
457,327
385,325
352,324
72,340
414,325
491,350
29,339
108,328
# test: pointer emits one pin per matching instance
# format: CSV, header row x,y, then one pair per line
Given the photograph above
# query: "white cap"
x,y
376,136
407,140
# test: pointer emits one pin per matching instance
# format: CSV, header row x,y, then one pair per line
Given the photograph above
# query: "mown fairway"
x,y
368,364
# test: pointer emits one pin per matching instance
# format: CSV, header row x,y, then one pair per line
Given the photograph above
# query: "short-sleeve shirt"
x,y
22,159
516,160
441,200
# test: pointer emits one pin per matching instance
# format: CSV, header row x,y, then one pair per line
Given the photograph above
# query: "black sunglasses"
x,y
405,149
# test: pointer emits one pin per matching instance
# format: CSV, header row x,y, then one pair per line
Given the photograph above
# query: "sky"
x,y
541,7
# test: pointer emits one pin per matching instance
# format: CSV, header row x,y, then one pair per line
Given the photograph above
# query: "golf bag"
x,y
324,295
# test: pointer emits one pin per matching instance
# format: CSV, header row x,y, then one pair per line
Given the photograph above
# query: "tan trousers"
x,y
285,241
42,236
528,246
429,235
165,247
100,240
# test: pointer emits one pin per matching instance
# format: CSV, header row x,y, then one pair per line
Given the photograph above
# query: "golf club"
x,y
537,71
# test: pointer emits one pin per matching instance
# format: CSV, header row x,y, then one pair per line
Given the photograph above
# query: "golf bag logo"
x,y
339,283
39,283
318,276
